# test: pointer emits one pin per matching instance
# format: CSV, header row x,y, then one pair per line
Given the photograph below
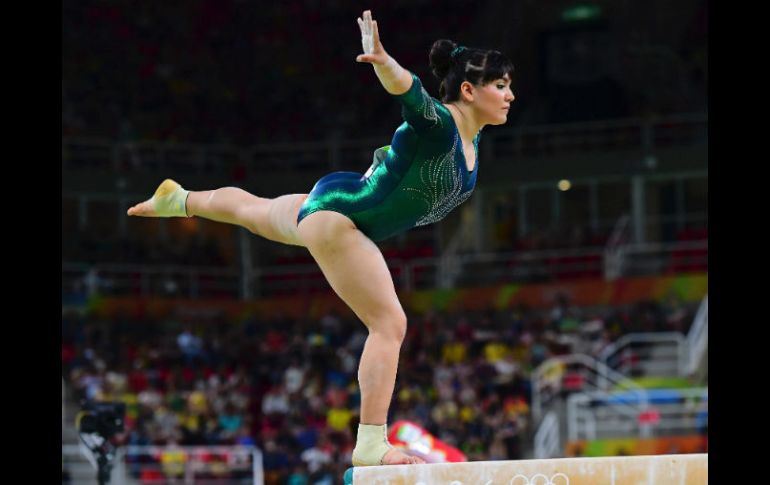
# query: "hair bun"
x,y
441,57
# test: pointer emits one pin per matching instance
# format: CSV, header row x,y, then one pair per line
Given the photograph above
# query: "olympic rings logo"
x,y
519,479
535,479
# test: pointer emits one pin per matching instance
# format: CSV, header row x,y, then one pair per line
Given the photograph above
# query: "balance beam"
x,y
689,469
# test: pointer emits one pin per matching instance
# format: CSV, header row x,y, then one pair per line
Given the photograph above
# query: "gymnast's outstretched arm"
x,y
394,78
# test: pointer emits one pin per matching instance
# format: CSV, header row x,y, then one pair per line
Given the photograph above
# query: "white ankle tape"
x,y
371,444
173,204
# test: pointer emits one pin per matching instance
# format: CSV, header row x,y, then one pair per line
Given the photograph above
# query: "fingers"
x,y
369,36
367,22
366,27
376,32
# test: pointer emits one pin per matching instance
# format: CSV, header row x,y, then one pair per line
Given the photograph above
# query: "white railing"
x,y
548,380
198,465
487,269
547,438
698,338
144,280
597,415
639,354
549,386
619,134
623,134
654,258
188,465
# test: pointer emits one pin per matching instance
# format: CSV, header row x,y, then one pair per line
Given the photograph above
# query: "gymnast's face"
x,y
492,101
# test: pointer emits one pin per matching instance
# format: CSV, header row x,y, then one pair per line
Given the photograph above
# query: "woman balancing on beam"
x,y
429,169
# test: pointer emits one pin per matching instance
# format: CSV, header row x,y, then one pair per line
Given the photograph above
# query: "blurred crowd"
x,y
289,386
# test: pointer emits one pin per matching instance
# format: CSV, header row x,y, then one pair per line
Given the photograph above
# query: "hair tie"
x,y
456,52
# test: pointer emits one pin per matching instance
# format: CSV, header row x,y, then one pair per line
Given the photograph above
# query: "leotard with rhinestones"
x,y
416,180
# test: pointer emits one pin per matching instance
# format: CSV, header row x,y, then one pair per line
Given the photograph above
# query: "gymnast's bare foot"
x,y
397,457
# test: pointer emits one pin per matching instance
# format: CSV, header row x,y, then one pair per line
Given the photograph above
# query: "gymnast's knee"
x,y
391,325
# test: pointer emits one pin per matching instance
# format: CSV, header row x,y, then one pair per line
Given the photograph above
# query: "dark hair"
x,y
453,64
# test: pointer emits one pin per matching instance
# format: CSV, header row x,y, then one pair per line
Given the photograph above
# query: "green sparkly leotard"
x,y
416,180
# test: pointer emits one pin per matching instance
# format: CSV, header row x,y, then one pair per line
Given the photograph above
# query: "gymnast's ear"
x,y
467,91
